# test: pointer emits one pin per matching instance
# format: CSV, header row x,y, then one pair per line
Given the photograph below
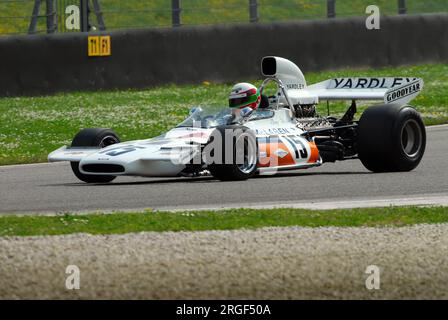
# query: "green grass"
x,y
144,13
118,223
31,127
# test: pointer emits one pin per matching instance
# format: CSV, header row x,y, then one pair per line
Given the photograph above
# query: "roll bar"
x,y
281,88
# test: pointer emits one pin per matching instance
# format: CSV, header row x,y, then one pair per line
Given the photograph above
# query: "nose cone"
x,y
116,159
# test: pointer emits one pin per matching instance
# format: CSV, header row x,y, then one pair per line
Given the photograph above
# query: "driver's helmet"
x,y
244,95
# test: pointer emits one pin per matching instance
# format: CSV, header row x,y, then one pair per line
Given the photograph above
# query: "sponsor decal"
x,y
399,93
295,86
281,153
369,83
275,131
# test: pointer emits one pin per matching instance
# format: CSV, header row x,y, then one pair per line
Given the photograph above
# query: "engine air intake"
x,y
269,66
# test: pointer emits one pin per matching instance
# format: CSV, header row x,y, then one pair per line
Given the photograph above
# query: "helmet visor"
x,y
239,102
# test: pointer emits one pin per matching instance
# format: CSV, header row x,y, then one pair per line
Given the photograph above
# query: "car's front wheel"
x,y
232,153
93,137
391,138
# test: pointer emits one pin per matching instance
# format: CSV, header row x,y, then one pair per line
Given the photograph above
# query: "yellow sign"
x,y
98,46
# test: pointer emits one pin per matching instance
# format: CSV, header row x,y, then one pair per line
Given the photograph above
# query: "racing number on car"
x,y
120,150
301,152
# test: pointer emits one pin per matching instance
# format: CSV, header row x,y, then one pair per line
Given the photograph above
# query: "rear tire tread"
x,y
379,138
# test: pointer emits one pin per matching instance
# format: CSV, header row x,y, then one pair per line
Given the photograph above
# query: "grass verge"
x,y
31,127
119,223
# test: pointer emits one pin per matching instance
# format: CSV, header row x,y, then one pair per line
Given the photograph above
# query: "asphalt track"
x,y
52,188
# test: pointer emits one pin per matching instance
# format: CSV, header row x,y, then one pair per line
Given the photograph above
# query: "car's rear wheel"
x,y
93,137
234,153
391,138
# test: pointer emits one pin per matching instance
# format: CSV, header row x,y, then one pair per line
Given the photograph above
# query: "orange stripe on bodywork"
x,y
314,153
271,159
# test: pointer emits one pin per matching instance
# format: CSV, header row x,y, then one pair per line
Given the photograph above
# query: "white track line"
x,y
32,165
423,200
437,126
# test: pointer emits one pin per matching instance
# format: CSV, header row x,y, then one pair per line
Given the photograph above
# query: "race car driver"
x,y
244,95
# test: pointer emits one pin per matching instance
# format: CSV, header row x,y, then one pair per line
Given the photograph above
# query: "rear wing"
x,y
390,90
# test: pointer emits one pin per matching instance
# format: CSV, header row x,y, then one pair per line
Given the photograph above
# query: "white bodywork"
x,y
168,155
160,156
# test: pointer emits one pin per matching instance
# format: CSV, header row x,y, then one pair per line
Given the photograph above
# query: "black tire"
x,y
93,137
244,158
391,138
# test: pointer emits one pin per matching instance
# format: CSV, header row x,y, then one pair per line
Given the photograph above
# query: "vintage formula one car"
x,y
283,133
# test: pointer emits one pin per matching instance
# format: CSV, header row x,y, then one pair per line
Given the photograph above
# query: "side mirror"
x,y
246,112
194,110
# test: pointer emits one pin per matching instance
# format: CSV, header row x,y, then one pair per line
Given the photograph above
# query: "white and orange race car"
x,y
284,133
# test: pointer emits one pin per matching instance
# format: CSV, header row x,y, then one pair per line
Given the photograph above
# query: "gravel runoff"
x,y
269,263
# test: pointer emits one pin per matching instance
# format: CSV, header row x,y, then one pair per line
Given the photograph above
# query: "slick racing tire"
x,y
391,138
233,153
93,137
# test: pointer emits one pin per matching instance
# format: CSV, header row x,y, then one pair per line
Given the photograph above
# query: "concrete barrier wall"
x,y
35,65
